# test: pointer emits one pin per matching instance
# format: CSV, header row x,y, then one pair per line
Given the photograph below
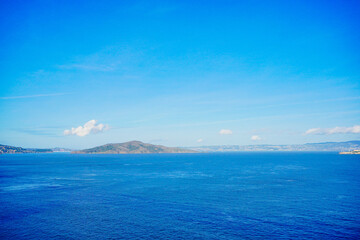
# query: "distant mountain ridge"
x,y
133,147
325,146
58,149
140,147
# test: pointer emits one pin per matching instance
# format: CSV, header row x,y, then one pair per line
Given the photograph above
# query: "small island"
x,y
351,152
132,147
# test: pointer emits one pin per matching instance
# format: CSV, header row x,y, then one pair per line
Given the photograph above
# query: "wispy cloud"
x,y
256,138
327,114
200,140
261,104
39,131
34,96
112,58
335,130
88,67
225,132
89,127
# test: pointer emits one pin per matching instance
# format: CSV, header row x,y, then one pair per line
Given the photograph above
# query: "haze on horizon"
x,y
179,73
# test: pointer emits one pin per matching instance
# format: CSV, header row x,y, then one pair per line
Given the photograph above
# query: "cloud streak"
x,y
335,130
88,67
225,132
89,127
255,138
34,96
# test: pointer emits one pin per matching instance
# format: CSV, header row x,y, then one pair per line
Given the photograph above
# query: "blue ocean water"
x,y
180,196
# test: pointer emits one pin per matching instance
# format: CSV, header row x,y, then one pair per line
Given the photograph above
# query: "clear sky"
x,y
179,73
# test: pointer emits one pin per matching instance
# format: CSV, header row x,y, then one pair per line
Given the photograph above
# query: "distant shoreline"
x,y
218,152
351,152
137,147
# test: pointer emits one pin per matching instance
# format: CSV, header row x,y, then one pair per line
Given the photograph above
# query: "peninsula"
x,y
351,152
133,147
11,149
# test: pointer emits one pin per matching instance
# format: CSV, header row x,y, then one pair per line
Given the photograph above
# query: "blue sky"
x,y
179,73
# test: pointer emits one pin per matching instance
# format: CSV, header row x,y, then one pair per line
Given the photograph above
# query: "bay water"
x,y
280,195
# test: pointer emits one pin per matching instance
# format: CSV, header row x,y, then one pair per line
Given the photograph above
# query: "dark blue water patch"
x,y
180,196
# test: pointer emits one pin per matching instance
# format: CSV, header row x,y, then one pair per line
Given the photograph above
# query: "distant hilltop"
x,y
133,147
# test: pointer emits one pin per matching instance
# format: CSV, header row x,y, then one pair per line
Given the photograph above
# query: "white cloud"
x,y
200,140
87,67
335,130
225,132
89,127
34,96
255,138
